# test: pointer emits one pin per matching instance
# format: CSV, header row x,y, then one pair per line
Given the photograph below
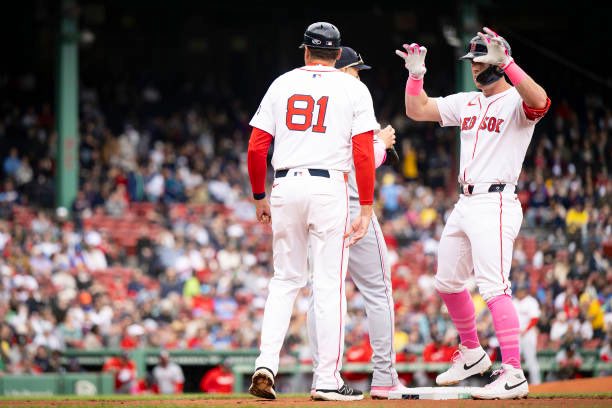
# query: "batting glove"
x,y
414,58
497,53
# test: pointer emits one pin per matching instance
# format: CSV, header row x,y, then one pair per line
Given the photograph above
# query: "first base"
x,y
433,393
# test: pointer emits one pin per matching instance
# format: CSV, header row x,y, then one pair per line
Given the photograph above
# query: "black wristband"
x,y
259,196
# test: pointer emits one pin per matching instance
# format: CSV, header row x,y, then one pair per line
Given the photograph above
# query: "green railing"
x,y
242,362
57,384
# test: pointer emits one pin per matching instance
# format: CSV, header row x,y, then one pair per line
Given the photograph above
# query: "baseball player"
x,y
528,310
168,375
321,120
368,265
496,124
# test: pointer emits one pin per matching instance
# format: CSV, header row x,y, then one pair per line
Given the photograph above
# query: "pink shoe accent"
x,y
380,388
381,392
506,324
461,310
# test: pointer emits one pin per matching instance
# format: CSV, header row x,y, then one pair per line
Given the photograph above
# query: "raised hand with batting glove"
x,y
414,58
498,49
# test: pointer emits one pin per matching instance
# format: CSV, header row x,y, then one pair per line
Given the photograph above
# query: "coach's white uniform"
x,y
369,268
528,308
312,112
480,231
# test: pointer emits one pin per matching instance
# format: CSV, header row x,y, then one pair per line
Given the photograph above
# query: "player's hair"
x,y
324,54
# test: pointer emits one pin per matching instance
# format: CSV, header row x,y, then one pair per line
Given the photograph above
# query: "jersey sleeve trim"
x,y
363,158
534,113
257,164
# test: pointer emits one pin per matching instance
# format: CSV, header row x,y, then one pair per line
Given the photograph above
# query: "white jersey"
x,y
495,134
527,309
167,377
313,112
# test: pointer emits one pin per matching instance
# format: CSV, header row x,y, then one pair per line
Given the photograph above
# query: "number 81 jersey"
x,y
313,112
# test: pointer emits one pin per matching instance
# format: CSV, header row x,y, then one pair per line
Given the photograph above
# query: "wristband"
x,y
259,196
414,86
514,72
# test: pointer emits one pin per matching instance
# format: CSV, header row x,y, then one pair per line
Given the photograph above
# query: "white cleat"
x,y
382,392
466,363
510,383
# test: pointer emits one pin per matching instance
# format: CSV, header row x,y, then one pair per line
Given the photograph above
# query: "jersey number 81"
x,y
306,112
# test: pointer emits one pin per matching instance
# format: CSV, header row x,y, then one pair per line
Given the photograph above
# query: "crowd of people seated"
x,y
160,248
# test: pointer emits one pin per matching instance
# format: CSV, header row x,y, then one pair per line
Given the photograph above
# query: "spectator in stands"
x,y
41,359
11,163
605,356
569,362
168,376
93,339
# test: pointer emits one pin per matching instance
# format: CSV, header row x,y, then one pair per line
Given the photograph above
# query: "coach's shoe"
x,y
262,383
380,392
466,363
345,393
510,383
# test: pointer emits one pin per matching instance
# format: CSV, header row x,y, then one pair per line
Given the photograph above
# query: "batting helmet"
x,y
321,35
476,48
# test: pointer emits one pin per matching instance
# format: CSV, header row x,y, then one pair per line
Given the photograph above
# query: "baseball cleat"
x,y
262,383
345,393
509,384
378,392
466,363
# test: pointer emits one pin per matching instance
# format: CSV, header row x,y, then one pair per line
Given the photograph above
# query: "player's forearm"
x,y
363,158
257,164
416,99
532,94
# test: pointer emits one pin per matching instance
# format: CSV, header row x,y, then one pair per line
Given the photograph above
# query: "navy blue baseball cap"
x,y
350,58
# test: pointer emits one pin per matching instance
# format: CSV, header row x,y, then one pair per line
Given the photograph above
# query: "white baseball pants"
x,y
308,211
479,236
370,271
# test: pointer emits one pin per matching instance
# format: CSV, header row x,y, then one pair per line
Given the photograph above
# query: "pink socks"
x,y
461,310
506,324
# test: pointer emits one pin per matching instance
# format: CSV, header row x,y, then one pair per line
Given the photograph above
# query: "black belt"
x,y
313,172
493,188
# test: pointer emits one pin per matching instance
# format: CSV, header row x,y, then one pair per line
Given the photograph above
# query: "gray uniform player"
x,y
368,266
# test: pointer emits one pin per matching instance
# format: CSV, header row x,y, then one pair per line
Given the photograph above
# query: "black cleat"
x,y
262,384
345,393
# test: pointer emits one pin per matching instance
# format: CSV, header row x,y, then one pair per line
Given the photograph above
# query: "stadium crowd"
x,y
161,249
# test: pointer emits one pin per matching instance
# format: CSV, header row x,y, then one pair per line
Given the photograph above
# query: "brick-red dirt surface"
x,y
582,386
